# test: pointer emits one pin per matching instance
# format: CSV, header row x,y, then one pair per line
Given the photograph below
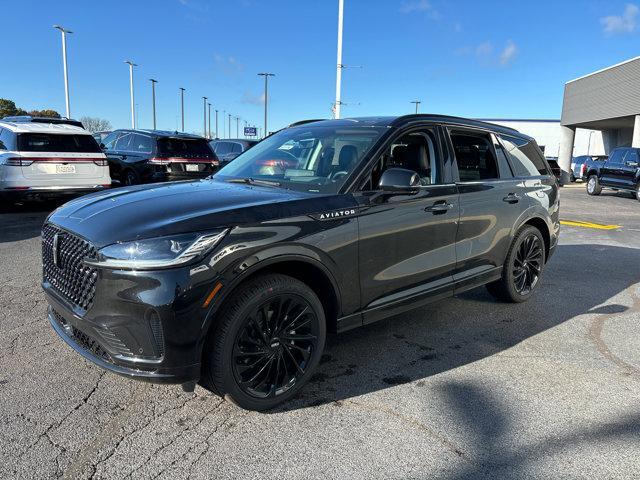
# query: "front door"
x,y
407,242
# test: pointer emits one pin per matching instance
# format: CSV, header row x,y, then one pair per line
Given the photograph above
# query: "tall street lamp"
x,y
339,62
204,110
217,134
153,100
224,124
266,95
64,65
182,106
209,130
133,110
237,127
417,102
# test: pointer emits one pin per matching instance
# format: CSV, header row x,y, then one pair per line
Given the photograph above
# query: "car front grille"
x,y
65,270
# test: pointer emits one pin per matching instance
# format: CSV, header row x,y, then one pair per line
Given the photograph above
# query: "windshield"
x,y
55,142
316,159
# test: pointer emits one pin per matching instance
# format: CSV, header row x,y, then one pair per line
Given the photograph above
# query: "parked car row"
x,y
42,157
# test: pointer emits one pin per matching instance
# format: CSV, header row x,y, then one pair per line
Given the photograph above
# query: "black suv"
x,y
144,156
227,150
234,281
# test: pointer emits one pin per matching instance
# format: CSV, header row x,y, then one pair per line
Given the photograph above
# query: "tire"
x,y
593,185
250,328
572,178
129,178
637,193
525,258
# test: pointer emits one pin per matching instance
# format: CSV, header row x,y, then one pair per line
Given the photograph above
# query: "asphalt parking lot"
x,y
466,388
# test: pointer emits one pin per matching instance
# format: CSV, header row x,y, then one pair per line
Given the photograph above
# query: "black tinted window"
x,y
184,147
141,144
526,158
223,148
53,142
631,156
474,156
616,156
122,143
237,148
110,140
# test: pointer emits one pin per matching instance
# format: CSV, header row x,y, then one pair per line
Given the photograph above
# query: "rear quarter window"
x,y
55,142
525,157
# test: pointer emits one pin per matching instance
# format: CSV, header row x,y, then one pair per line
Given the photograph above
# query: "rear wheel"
x,y
268,342
638,191
593,185
130,177
522,268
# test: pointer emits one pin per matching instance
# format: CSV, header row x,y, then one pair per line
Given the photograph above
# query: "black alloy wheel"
x,y
274,346
528,264
267,342
130,178
522,268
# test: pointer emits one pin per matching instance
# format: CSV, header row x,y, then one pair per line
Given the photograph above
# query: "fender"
x,y
240,270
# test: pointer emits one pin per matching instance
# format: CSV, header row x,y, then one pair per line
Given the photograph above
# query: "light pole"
x,y
133,111
417,102
224,124
64,65
217,135
339,63
266,94
237,127
209,130
204,110
589,144
153,100
229,125
182,106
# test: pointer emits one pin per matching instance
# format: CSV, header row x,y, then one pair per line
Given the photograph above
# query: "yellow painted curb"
x,y
599,226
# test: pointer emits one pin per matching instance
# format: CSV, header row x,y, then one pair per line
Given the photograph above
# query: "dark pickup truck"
x,y
620,172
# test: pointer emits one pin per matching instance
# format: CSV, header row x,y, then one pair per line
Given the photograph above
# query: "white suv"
x,y
46,157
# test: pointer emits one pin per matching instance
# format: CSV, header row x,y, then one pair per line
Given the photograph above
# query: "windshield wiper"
x,y
253,181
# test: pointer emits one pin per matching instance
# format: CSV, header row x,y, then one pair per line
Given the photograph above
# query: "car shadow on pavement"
x,y
451,333
21,221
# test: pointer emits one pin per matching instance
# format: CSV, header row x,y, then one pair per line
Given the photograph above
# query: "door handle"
x,y
439,207
512,198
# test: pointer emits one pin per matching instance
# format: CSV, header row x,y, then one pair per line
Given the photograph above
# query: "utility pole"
x,y
266,95
204,111
417,102
224,124
217,134
237,127
153,100
133,110
339,63
209,121
182,106
229,125
64,66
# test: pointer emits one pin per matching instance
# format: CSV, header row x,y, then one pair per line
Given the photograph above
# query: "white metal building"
x,y
548,133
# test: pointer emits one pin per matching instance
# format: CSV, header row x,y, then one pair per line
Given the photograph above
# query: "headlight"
x,y
159,252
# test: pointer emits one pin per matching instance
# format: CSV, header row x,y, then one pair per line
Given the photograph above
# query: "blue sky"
x,y
480,59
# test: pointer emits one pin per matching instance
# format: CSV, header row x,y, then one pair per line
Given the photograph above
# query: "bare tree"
x,y
95,124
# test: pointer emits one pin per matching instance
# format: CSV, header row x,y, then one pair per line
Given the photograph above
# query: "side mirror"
x,y
399,181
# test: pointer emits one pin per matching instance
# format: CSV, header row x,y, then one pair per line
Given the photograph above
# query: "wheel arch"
x,y
543,228
306,269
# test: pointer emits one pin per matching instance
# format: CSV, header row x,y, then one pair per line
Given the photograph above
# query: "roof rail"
x,y
30,119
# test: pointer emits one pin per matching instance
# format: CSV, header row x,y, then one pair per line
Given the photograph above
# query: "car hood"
x,y
154,210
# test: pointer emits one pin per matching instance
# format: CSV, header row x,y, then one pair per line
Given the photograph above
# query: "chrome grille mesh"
x,y
69,276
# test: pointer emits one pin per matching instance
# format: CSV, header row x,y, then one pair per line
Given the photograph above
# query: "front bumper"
x,y
144,325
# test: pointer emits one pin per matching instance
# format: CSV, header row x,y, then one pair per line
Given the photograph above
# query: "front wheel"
x,y
593,185
522,268
268,342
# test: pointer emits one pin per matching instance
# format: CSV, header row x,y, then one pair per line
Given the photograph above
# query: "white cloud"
x,y
625,23
508,53
252,99
484,49
411,6
228,65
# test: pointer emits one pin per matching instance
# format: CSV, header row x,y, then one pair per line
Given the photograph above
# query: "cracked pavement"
x,y
466,388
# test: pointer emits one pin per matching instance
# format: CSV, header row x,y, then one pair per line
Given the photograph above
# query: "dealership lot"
x,y
466,388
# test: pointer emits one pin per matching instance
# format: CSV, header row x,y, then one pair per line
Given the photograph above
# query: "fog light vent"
x,y
158,333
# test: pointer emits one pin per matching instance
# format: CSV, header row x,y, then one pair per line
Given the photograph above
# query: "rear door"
x,y
611,170
629,169
492,198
